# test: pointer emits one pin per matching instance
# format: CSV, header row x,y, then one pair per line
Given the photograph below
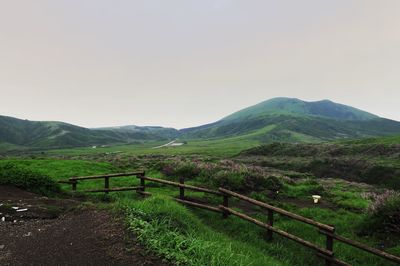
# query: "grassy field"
x,y
217,147
188,236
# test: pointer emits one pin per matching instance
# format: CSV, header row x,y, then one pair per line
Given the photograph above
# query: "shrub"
x,y
184,169
20,177
273,183
383,214
225,173
229,179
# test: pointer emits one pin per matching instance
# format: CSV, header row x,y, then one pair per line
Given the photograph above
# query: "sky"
x,y
183,63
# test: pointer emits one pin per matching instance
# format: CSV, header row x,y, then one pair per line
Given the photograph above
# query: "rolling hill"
x,y
43,134
278,119
294,120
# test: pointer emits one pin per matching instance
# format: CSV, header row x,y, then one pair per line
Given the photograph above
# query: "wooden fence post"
x,y
226,205
106,184
74,183
182,189
142,183
329,246
270,223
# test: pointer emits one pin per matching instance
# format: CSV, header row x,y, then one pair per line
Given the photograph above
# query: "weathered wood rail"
x,y
74,182
327,252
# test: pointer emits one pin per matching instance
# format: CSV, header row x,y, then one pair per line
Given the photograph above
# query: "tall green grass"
x,y
175,233
18,176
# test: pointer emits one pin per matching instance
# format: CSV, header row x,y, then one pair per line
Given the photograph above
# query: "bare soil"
x,y
59,232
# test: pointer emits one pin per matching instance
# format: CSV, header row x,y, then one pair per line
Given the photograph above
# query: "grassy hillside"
x,y
279,119
189,236
297,121
285,106
38,134
362,161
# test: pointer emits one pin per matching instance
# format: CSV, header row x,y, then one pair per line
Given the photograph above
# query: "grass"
x,y
12,174
177,234
215,147
188,236
62,169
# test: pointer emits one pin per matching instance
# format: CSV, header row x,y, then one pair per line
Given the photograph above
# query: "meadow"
x,y
189,236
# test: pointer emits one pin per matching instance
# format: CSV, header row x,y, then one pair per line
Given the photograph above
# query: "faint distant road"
x,y
165,145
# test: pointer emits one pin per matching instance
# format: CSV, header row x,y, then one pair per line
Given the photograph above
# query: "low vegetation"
x,y
11,174
383,214
376,164
284,175
177,234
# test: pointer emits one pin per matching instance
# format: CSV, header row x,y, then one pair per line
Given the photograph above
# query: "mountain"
x,y
294,120
278,119
293,106
44,134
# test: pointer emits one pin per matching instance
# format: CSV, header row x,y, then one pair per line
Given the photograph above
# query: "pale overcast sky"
x,y
185,63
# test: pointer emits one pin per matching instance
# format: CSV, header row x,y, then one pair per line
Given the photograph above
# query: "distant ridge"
x,y
44,134
277,119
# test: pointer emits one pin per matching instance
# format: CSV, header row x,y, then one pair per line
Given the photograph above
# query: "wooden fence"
x,y
327,252
74,182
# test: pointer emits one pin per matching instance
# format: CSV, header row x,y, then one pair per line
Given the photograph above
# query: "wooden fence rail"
x,y
327,230
74,182
278,210
326,253
364,247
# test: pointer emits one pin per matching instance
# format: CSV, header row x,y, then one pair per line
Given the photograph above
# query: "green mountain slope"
x,y
152,132
292,106
278,119
296,121
38,134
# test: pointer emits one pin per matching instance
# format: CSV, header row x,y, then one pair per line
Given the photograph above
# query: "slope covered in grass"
x,y
51,134
25,178
321,120
282,105
372,163
175,233
61,169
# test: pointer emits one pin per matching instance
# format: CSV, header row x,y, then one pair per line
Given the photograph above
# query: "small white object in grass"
x,y
3,219
22,210
316,198
15,208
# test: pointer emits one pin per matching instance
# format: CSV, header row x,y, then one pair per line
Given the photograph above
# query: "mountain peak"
x,y
293,106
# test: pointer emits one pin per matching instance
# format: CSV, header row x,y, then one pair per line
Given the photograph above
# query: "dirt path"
x,y
55,232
